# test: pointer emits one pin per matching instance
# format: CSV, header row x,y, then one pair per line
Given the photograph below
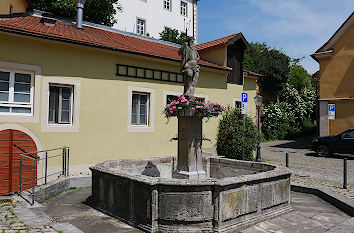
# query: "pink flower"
x,y
187,103
193,109
205,114
225,108
171,112
179,108
170,109
213,110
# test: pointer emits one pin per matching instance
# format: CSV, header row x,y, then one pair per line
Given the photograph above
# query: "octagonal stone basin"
x,y
235,194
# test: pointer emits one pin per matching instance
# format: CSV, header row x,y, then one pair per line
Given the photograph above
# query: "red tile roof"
x,y
252,73
214,43
96,37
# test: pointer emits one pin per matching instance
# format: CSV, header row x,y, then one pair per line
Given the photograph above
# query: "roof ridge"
x,y
95,37
224,37
39,13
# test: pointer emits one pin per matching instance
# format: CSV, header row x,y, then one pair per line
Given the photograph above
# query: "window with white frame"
x,y
60,104
167,4
238,105
16,92
140,109
140,26
183,8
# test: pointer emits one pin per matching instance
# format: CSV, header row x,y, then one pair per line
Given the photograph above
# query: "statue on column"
x,y
189,67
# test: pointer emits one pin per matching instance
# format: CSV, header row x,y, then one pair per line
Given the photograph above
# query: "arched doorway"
x,y
10,160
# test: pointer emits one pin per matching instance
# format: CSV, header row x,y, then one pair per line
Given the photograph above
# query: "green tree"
x,y
173,35
273,64
299,77
100,12
232,138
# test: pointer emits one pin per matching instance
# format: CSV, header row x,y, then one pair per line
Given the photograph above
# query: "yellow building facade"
x,y
8,7
100,126
336,79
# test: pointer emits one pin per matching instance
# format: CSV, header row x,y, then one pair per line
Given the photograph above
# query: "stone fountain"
x,y
190,193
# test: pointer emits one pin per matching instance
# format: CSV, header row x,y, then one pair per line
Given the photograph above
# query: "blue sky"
x,y
298,27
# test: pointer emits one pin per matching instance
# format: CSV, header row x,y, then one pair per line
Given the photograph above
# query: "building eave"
x,y
341,30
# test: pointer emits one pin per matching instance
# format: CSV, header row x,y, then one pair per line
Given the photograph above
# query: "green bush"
x,y
275,121
232,138
290,118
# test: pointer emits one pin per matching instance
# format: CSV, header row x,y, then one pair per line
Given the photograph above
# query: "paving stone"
x,y
330,217
255,229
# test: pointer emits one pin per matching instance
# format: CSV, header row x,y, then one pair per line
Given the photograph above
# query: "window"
x,y
167,4
183,8
140,109
170,98
140,26
16,93
238,105
60,104
349,134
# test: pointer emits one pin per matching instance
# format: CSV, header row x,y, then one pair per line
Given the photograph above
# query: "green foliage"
x,y
232,137
173,35
273,64
100,12
275,122
299,77
291,117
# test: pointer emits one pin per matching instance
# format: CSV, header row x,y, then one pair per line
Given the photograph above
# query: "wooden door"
x,y
10,160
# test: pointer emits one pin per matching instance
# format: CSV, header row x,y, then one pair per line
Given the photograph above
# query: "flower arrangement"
x,y
194,107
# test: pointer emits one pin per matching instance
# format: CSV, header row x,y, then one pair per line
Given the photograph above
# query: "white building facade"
x,y
150,17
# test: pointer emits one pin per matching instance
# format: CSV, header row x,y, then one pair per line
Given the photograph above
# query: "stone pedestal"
x,y
189,159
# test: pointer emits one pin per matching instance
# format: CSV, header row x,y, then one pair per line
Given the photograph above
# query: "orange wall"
x,y
216,56
337,72
18,6
344,117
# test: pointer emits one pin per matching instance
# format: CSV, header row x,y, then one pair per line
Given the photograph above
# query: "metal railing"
x,y
29,161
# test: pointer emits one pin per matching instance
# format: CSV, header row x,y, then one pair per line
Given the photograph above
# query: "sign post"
x,y
331,114
244,112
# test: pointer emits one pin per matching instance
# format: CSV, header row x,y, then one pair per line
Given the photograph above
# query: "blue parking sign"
x,y
331,107
244,97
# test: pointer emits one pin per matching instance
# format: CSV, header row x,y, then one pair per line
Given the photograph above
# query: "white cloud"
x,y
299,27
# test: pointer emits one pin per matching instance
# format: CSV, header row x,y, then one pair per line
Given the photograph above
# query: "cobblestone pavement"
x,y
310,215
307,167
70,207
15,218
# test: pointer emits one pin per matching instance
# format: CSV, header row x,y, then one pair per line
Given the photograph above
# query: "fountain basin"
x,y
234,195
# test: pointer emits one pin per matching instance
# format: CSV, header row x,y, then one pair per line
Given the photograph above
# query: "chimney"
x,y
80,12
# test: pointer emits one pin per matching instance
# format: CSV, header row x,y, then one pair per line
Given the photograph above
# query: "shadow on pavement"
x,y
297,143
313,154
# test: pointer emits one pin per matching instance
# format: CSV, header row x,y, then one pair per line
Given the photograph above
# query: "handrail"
x,y
41,151
24,152
35,160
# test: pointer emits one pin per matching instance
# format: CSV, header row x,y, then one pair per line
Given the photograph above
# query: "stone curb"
x,y
342,203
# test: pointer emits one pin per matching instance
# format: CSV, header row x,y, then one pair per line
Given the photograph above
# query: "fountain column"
x,y
189,159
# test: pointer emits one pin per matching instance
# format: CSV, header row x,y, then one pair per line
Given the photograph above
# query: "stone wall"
x,y
174,205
